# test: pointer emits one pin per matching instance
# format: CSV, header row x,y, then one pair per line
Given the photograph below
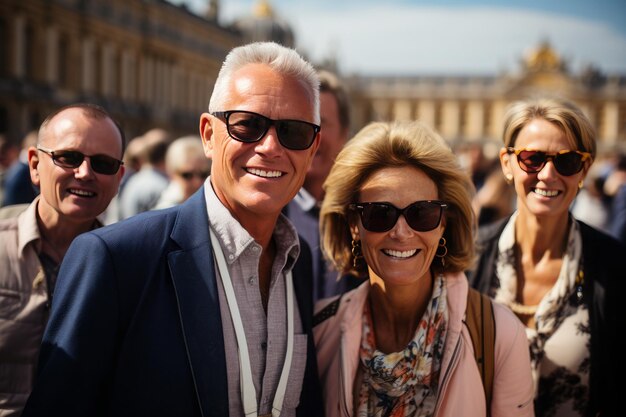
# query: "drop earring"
x,y
357,253
442,251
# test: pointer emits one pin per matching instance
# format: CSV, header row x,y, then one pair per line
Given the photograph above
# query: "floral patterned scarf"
x,y
405,383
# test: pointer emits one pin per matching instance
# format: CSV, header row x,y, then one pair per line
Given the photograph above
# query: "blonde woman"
x,y
562,278
398,213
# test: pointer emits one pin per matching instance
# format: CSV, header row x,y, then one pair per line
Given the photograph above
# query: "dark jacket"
x,y
604,267
135,327
18,188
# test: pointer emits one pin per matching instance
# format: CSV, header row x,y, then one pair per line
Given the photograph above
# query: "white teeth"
x,y
82,193
400,254
265,174
546,193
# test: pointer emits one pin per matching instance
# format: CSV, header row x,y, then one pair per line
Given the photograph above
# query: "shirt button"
x,y
231,257
251,280
255,249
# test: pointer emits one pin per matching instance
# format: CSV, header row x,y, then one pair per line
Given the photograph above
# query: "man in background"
x,y
8,155
18,188
303,210
143,189
187,168
76,164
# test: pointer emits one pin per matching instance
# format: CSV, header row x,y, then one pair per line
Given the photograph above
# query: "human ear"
x,y
33,165
505,164
206,133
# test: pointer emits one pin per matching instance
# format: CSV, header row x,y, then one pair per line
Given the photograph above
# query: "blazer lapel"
x,y
193,276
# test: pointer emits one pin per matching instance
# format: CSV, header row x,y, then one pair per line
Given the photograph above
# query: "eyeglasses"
x,y
249,127
188,175
566,162
422,216
102,164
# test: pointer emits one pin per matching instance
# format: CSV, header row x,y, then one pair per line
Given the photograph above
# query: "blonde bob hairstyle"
x,y
565,115
396,144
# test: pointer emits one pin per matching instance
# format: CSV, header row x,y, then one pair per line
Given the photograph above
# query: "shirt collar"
x,y
235,239
28,230
305,200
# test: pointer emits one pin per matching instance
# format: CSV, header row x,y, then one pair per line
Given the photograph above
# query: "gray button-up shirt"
x,y
266,335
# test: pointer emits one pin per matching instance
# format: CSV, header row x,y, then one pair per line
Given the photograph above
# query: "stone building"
x,y
471,109
150,63
264,24
153,64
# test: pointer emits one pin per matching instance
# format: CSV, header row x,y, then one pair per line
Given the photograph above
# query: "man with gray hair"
x,y
203,309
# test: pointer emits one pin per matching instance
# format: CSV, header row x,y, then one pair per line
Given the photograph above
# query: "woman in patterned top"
x,y
398,213
558,275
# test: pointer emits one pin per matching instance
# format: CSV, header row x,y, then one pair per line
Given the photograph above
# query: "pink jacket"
x,y
460,388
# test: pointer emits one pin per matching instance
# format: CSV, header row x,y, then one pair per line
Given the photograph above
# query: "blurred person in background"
x,y
398,213
132,159
18,187
8,155
617,186
187,168
75,162
132,165
561,277
472,157
493,200
143,189
591,204
303,210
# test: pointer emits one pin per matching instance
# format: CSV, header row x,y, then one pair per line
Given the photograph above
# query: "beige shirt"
x,y
23,308
266,343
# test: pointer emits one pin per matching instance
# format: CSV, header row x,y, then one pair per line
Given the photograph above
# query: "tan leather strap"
x,y
482,329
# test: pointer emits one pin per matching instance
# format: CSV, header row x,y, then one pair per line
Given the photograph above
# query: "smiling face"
x,y
255,180
545,193
75,194
400,256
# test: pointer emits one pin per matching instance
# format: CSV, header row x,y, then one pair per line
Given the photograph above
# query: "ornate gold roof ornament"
x,y
543,58
263,9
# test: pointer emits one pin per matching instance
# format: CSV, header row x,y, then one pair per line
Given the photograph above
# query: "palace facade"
x,y
471,109
153,64
148,62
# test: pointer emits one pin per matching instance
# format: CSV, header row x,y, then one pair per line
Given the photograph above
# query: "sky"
x,y
447,37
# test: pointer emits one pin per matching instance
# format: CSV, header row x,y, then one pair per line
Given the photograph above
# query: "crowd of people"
x,y
278,264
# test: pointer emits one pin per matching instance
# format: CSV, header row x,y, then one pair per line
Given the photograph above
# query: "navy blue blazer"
x,y
135,327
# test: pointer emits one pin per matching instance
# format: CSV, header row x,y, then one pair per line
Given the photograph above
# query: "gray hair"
x,y
183,149
280,58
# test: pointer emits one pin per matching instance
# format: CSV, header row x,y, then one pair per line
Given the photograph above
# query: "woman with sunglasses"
x,y
558,275
397,212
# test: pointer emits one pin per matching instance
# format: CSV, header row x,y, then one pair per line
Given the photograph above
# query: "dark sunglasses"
x,y
249,127
566,162
102,164
188,175
422,216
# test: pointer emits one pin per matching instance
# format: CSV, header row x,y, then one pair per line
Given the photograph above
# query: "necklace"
x,y
523,310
